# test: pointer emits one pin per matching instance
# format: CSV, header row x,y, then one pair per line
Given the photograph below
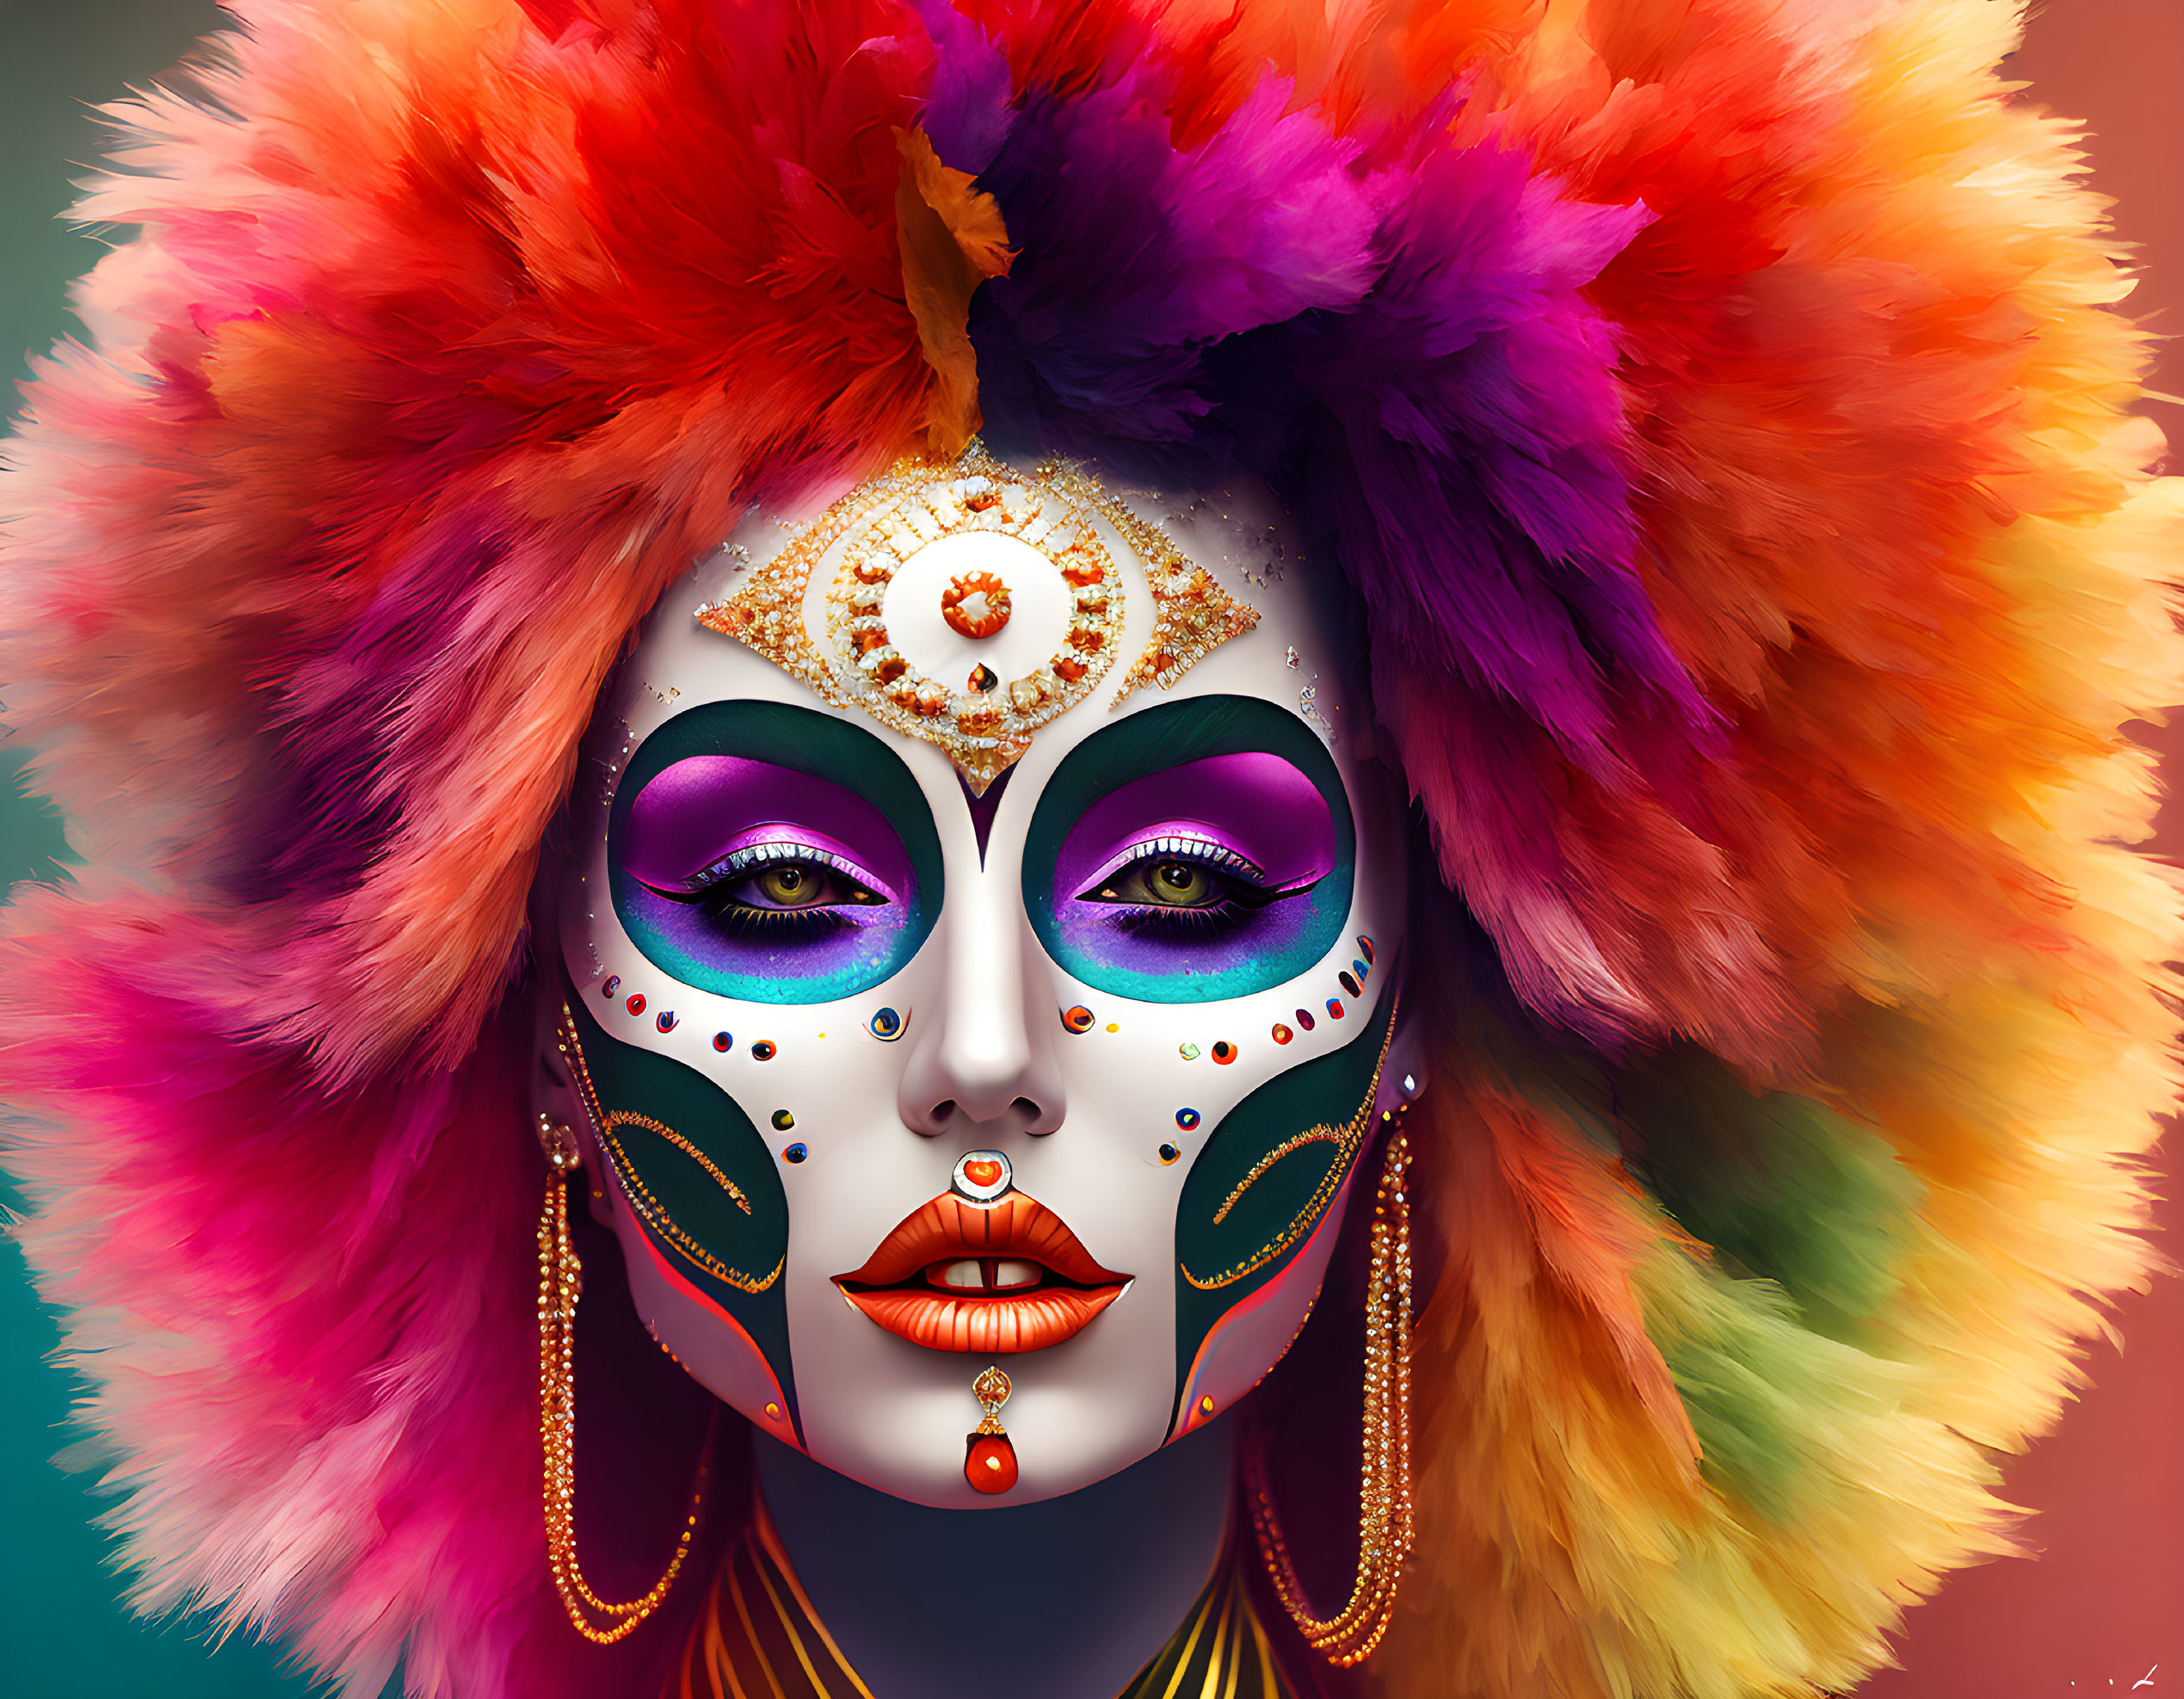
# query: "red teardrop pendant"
x,y
989,1463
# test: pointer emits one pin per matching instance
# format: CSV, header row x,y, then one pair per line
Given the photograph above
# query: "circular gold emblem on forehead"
x,y
969,604
974,606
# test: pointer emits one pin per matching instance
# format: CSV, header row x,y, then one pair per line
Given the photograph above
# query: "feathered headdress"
x,y
1714,407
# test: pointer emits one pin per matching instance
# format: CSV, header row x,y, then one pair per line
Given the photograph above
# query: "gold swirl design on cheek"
x,y
1347,1139
649,1208
659,1129
1335,1135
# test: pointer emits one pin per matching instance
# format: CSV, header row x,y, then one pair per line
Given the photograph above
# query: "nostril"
x,y
1033,1115
942,1111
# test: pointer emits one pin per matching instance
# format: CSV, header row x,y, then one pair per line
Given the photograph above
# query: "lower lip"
x,y
993,1324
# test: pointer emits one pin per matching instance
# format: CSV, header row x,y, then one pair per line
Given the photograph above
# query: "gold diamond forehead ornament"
x,y
972,604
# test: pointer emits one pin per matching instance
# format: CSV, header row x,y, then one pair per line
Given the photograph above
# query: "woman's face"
x,y
983,948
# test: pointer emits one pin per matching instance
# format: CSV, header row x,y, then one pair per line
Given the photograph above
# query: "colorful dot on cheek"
x,y
1187,1119
763,1051
1114,1026
772,1412
724,1043
1188,1052
1078,1019
1334,1008
1365,946
665,1020
1304,1019
613,984
1225,1053
794,1153
885,1026
635,1003
1206,1405
1282,1034
1169,1156
1349,984
1361,970
783,1121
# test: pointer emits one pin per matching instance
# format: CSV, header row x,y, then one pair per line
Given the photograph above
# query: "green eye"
x,y
790,886
1179,882
800,885
1168,883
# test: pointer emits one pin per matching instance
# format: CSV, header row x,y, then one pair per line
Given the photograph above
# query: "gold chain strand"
x,y
560,1285
1385,1519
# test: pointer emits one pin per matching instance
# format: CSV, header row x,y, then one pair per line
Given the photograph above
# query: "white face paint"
x,y
885,1106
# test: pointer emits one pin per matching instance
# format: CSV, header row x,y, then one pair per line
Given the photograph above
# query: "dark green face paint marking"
x,y
681,1143
1246,1210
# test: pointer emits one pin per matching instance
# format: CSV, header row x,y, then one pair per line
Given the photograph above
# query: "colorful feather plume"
x,y
1717,409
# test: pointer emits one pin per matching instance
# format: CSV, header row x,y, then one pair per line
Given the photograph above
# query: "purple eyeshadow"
x,y
1251,805
705,807
696,812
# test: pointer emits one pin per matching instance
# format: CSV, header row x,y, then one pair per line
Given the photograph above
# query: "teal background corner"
x,y
64,1632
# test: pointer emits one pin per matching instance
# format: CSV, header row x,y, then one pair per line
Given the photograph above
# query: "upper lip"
x,y
950,1227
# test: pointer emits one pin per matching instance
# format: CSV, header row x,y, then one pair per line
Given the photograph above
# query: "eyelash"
x,y
1213,857
713,890
1178,923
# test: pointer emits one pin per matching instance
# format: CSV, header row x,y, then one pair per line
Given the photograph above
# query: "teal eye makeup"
x,y
771,854
1199,850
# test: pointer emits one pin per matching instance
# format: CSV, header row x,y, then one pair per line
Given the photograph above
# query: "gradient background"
x,y
2099,1610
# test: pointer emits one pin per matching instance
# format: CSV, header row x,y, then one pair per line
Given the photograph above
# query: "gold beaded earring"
x,y
561,1277
1384,1521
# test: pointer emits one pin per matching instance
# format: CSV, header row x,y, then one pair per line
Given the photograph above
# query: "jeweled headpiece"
x,y
969,605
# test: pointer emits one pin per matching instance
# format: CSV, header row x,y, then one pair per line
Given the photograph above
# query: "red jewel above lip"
x,y
982,1173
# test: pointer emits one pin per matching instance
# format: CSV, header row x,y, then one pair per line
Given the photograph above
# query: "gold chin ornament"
x,y
969,604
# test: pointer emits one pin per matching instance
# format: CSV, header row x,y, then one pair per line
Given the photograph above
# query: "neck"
x,y
1068,1598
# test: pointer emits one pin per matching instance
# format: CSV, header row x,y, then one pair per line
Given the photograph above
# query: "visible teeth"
x,y
988,1274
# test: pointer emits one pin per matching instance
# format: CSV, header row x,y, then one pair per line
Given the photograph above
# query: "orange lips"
x,y
986,1277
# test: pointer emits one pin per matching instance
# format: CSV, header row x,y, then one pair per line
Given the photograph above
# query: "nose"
x,y
988,1062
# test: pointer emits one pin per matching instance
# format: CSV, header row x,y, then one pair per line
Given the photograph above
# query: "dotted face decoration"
x,y
1078,1019
887,1026
891,591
